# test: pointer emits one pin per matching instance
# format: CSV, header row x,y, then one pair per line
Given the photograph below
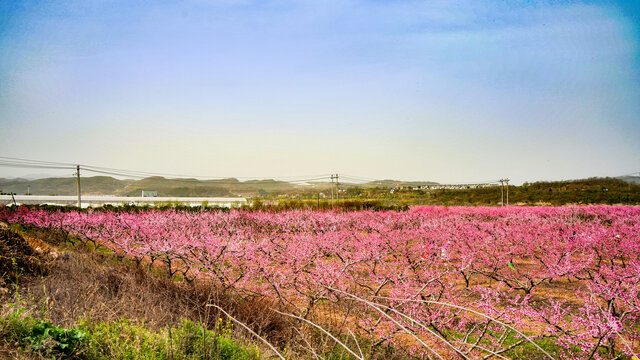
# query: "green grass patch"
x,y
42,337
123,340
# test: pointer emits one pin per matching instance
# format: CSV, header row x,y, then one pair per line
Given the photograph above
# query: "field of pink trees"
x,y
468,283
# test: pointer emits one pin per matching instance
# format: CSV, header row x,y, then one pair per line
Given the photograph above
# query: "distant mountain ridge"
x,y
230,187
630,179
105,185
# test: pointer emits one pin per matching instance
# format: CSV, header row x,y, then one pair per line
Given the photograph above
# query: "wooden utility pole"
x,y
78,183
507,180
331,190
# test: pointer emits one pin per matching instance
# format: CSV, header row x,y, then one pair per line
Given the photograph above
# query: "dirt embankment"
x,y
18,258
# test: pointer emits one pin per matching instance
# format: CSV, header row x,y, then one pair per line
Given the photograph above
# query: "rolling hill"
x,y
104,185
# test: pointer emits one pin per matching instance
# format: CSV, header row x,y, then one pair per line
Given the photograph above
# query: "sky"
x,y
447,91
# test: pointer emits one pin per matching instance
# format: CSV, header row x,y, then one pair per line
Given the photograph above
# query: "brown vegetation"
x,y
85,284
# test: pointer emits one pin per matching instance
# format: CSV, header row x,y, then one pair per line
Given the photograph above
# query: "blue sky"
x,y
449,91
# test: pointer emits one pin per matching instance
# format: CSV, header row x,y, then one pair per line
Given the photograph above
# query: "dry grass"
x,y
12,352
73,283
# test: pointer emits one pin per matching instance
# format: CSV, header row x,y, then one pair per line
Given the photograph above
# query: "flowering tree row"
x,y
467,282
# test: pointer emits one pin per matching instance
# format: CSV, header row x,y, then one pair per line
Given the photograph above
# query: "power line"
x,y
358,177
6,161
220,181
28,166
35,161
114,173
40,164
177,176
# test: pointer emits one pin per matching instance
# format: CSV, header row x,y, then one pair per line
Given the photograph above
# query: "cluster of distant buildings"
x,y
450,187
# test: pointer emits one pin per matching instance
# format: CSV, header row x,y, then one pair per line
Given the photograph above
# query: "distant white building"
x,y
100,200
452,186
146,193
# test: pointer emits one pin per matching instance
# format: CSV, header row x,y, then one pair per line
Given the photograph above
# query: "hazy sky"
x,y
449,91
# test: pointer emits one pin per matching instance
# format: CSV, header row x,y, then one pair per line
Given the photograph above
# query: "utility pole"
x,y
502,191
331,190
337,191
78,183
507,180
